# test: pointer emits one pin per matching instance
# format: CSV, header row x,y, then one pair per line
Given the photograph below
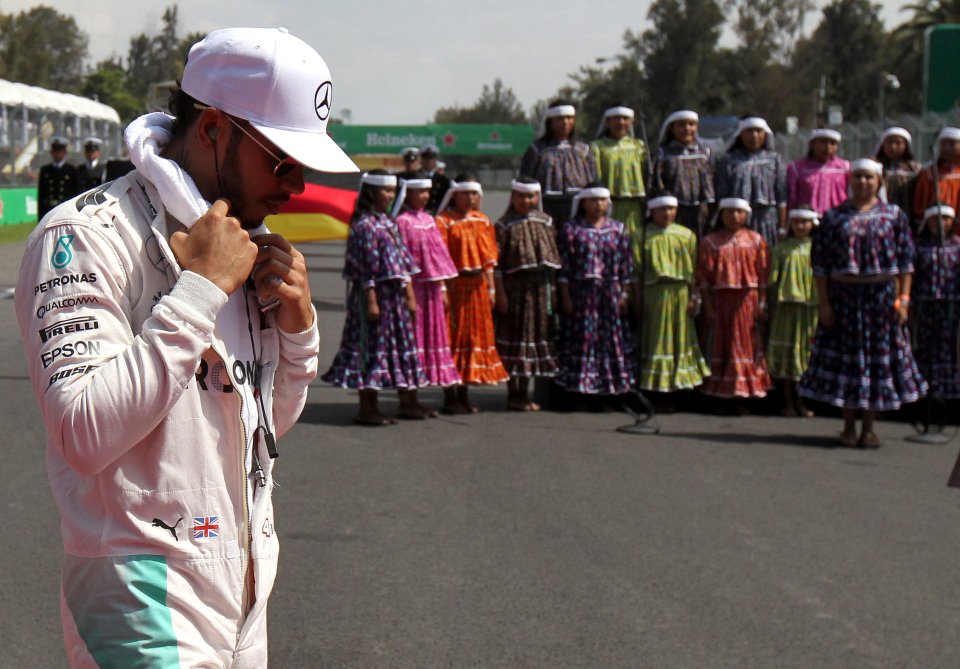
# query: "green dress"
x,y
620,166
794,320
670,357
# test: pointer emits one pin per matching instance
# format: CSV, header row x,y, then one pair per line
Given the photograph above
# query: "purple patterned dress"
x,y
865,360
936,305
686,172
381,354
422,239
562,168
596,345
760,178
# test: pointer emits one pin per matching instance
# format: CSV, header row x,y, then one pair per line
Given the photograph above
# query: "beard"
x,y
232,188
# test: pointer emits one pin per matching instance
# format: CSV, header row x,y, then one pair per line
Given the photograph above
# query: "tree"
x,y
846,48
44,48
597,89
679,55
768,29
496,104
156,58
107,82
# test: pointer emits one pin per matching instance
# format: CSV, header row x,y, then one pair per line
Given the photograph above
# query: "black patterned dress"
x,y
865,360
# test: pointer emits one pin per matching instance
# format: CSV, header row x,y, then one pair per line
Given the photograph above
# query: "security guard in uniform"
x,y
429,163
411,162
90,173
58,180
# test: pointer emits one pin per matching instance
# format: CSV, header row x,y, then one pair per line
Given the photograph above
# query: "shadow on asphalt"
x,y
806,441
328,413
321,305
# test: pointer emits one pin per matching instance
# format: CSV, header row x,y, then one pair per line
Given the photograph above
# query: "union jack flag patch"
x,y
206,527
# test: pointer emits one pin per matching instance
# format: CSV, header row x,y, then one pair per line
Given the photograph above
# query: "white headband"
x,y
466,187
753,122
618,111
560,110
897,132
662,201
804,214
747,124
948,133
418,183
381,180
524,188
825,133
682,115
942,210
587,193
866,165
735,203
894,131
458,187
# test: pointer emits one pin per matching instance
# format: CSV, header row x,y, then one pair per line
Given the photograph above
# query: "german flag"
x,y
321,212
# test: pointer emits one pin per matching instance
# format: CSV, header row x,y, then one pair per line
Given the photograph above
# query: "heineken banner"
x,y
452,139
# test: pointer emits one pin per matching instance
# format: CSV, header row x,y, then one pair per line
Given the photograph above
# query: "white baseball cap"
x,y
274,80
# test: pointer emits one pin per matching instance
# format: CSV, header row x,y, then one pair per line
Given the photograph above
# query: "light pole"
x,y
886,79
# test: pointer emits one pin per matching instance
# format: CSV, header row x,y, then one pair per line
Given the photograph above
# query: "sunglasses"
x,y
285,164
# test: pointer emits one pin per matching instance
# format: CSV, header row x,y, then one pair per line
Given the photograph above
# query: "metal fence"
x,y
860,139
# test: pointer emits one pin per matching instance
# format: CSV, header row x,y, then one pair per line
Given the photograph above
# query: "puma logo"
x,y
173,528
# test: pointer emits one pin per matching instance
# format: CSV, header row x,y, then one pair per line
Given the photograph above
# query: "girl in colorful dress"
x,y
524,279
684,166
900,170
946,160
378,348
420,235
793,297
862,259
732,273
620,159
936,301
561,164
670,357
820,179
472,242
594,282
751,169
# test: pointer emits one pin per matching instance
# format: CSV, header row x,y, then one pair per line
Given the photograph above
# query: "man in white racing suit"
x,y
170,339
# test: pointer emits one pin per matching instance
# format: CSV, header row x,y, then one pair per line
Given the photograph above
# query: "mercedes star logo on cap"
x,y
321,101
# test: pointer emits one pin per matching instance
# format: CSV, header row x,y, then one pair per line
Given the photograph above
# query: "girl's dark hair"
x,y
803,205
606,132
881,157
524,179
549,132
738,143
592,184
417,174
367,197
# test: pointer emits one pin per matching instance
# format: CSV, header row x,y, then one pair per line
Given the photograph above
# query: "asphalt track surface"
x,y
551,540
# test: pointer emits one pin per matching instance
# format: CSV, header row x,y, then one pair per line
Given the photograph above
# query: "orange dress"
x,y
923,195
473,248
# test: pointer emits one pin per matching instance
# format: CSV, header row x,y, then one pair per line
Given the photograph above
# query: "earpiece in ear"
x,y
213,132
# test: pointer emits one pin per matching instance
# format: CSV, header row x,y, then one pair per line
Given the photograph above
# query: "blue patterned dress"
x,y
562,168
865,360
381,354
596,344
936,306
760,178
686,172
